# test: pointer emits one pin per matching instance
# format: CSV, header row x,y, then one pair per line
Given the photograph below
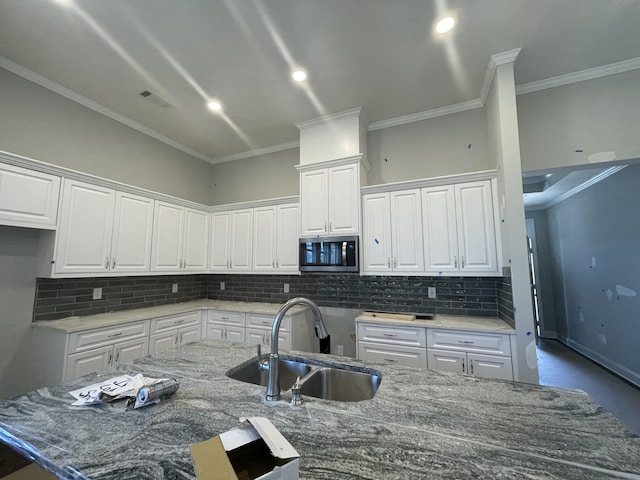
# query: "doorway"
x,y
532,250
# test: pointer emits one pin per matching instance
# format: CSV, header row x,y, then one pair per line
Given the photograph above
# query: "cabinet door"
x,y
440,229
126,352
264,239
376,235
344,199
392,354
132,230
166,252
287,235
406,231
489,366
28,198
161,342
476,230
241,239
195,240
86,225
235,334
446,361
216,331
220,247
314,202
255,336
96,360
189,334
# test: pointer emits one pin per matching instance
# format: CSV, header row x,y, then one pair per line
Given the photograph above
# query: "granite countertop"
x,y
77,324
453,322
421,424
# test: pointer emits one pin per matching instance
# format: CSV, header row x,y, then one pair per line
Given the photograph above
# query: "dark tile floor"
x,y
560,366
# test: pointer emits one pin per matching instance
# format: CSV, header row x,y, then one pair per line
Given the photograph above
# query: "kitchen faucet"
x,y
273,385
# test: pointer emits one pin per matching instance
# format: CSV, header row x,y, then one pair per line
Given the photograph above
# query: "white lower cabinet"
x,y
99,349
221,325
485,355
400,345
174,331
259,332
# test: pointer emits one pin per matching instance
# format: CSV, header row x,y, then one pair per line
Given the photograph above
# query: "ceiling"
x,y
380,55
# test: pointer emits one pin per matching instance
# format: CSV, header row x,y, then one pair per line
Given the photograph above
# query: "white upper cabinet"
x,y
231,240
459,230
330,200
86,225
392,232
275,238
28,198
180,239
103,231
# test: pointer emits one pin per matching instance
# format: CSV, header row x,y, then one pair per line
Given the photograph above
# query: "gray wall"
x,y
597,115
18,248
594,239
40,124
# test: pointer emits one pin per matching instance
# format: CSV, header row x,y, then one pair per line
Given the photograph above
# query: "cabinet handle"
x,y
273,264
117,355
390,360
330,226
106,263
114,335
463,370
230,264
390,334
277,263
395,262
325,226
113,263
455,262
175,322
466,341
388,262
110,358
181,336
266,322
175,339
471,366
226,334
462,262
224,318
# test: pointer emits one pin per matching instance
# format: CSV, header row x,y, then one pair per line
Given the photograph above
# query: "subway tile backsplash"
x,y
471,296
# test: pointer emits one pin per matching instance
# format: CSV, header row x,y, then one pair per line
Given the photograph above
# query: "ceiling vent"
x,y
155,98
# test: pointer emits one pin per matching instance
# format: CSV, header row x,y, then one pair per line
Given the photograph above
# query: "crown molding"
x,y
96,107
580,76
258,151
337,162
430,182
328,118
494,62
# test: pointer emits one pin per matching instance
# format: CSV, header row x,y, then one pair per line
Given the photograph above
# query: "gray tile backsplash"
x,y
471,296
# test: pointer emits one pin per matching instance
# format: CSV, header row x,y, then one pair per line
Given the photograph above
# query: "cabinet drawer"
x,y
393,354
173,322
81,341
257,320
492,343
392,334
236,319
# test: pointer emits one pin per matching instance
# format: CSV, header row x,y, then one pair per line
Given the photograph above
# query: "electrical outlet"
x,y
221,285
340,349
353,337
431,292
174,288
97,293
286,288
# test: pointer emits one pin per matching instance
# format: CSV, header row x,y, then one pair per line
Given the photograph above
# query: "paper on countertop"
x,y
115,388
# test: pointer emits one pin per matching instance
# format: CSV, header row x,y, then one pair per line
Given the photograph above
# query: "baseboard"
x,y
620,370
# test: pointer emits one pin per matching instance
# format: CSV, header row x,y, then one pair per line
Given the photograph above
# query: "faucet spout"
x,y
273,385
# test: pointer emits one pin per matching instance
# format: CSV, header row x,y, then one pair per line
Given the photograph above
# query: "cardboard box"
x,y
30,472
256,452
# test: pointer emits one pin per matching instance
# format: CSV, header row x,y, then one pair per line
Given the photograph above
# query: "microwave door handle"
x,y
344,254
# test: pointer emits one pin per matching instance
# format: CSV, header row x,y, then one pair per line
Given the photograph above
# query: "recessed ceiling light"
x,y
299,75
214,105
445,24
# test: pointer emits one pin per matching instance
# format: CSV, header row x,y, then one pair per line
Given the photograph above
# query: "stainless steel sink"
x,y
316,380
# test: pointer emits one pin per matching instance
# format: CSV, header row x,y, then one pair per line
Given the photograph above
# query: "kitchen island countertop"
x,y
420,424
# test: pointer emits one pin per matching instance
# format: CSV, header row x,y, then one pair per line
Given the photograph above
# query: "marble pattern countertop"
x,y
453,322
421,424
77,324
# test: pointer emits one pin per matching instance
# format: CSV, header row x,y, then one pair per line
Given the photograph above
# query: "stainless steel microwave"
x,y
329,254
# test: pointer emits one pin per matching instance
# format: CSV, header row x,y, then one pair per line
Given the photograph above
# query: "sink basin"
x,y
319,381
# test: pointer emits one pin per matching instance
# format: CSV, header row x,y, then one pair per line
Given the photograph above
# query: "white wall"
x,y
430,148
256,178
18,248
597,115
40,124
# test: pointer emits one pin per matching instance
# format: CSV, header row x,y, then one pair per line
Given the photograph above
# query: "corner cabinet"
x,y
103,231
28,198
330,199
180,239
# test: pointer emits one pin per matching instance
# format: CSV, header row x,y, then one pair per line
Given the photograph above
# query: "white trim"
x,y
430,182
327,118
494,61
580,76
96,107
257,152
426,115
255,204
584,185
334,163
